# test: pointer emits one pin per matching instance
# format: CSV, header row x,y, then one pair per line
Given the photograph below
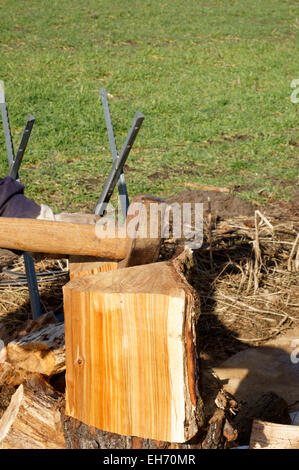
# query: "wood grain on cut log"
x,y
82,265
273,436
41,351
31,421
130,352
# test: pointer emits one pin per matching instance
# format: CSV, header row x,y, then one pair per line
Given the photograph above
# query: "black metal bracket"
x,y
116,175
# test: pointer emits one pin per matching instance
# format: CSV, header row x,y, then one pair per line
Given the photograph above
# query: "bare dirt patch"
x,y
222,204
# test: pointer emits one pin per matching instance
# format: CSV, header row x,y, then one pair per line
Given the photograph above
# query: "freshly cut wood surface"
x,y
82,265
42,236
273,436
130,352
42,351
31,421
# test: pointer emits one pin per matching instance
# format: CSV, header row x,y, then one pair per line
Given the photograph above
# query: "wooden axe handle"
x,y
68,238
43,236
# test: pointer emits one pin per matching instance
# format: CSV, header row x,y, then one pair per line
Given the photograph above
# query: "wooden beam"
x,y
130,352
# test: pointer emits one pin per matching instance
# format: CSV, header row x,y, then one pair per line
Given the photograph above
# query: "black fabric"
x,y
13,203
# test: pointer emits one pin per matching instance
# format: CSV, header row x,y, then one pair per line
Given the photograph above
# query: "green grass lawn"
x,y
212,77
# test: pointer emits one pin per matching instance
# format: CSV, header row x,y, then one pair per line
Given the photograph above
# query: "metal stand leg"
x,y
122,187
116,174
16,163
32,286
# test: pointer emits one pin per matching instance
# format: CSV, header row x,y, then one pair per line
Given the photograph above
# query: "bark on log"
x,y
41,351
131,360
80,436
31,421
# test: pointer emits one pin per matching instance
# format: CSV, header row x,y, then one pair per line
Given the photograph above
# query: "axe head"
x,y
145,246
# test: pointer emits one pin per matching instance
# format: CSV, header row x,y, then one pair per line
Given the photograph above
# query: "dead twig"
x,y
257,253
293,250
210,232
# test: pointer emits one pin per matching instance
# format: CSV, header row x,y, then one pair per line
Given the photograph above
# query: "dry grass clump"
x,y
14,296
247,278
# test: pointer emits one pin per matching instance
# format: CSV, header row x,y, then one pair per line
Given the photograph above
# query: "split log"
x,y
266,407
31,421
41,351
130,352
113,243
144,249
12,376
33,325
216,432
273,436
